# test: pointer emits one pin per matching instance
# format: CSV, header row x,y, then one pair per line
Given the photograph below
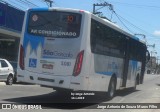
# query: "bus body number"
x,y
65,63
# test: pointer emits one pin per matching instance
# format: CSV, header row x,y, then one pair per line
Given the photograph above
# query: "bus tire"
x,y
111,88
137,80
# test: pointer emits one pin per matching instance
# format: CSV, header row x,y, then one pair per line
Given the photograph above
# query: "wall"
x,y
11,18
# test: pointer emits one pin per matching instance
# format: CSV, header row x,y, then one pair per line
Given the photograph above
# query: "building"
x,y
11,21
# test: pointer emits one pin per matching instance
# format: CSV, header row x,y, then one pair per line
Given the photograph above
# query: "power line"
x,y
22,2
130,23
31,3
102,5
26,2
121,19
151,35
42,1
137,5
122,22
10,4
135,19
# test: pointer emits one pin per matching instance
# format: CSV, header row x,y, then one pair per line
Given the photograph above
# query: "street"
x,y
149,92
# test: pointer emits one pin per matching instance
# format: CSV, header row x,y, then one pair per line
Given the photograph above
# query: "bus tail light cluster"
x,y
21,60
78,64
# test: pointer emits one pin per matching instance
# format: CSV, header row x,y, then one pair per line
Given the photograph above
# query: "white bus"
x,y
76,50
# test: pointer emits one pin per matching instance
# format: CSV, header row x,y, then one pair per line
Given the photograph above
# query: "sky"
x,y
134,16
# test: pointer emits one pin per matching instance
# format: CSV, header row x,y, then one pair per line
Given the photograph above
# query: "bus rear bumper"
x,y
59,81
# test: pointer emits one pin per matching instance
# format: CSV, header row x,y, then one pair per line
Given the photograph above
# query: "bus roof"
x,y
109,23
58,9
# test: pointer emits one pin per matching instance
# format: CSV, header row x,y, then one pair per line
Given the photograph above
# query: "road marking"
x,y
138,94
122,99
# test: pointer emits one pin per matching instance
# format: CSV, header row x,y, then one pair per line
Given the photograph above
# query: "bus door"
x,y
126,63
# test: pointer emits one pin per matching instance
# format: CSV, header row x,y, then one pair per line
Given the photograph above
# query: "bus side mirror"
x,y
147,56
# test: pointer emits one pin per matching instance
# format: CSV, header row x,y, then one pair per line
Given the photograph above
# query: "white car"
x,y
6,72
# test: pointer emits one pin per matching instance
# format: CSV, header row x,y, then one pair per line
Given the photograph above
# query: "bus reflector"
x,y
81,11
21,60
78,64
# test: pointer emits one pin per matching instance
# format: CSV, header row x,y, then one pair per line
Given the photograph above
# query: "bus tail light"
x,y
78,64
21,60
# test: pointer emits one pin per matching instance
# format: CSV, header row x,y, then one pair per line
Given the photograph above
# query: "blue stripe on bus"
x,y
33,40
39,9
136,38
105,73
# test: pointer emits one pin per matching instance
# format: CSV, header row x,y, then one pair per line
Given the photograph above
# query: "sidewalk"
x,y
2,83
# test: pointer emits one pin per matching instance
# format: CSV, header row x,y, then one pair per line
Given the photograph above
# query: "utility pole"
x,y
101,5
153,60
158,60
157,67
50,2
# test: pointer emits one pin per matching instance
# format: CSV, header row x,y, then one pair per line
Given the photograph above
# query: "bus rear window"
x,y
54,24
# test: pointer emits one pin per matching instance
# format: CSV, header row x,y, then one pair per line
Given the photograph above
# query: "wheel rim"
x,y
10,80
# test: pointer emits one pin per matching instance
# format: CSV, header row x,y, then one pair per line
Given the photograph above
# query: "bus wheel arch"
x,y
112,87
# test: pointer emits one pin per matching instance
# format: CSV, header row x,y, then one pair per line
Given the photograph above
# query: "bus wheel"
x,y
112,88
137,80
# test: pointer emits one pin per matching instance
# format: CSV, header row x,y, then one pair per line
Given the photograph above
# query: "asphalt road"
x,y
149,92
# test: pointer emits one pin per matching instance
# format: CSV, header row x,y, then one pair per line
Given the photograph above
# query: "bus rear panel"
x,y
51,51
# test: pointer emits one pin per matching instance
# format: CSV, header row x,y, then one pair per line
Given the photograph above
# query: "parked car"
x,y
14,65
6,72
